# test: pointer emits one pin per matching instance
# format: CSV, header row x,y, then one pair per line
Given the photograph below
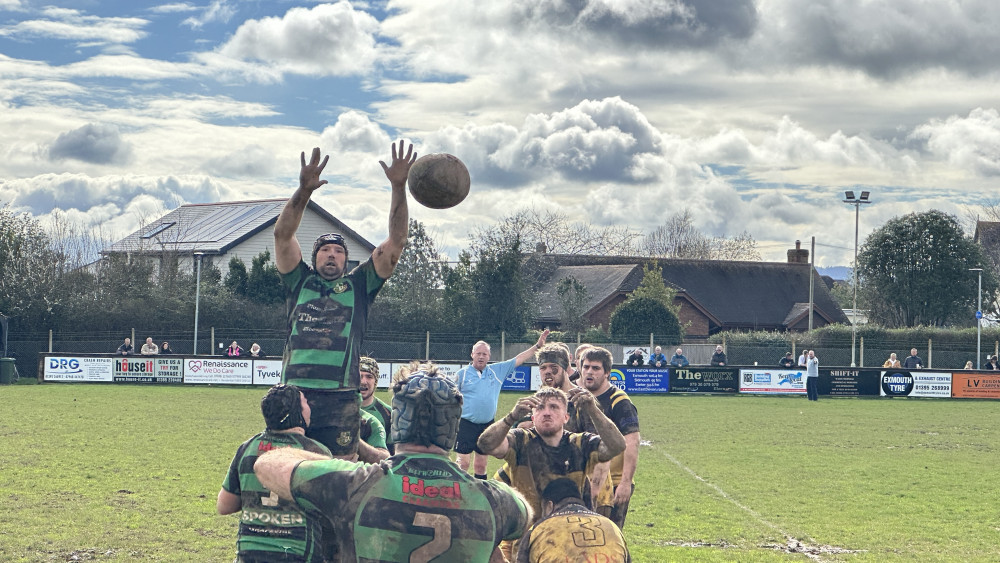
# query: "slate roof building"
x,y
223,230
712,295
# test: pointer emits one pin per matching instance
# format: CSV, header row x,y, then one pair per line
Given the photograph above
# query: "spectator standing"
x,y
968,365
992,364
719,357
678,360
635,359
126,348
149,348
787,361
414,497
273,529
568,531
255,351
913,361
657,359
802,359
165,348
480,383
234,350
812,376
892,362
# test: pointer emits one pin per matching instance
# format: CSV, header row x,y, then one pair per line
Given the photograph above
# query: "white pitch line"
x,y
726,496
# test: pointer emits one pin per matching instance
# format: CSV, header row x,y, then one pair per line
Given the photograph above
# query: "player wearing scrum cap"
x,y
272,529
328,308
418,505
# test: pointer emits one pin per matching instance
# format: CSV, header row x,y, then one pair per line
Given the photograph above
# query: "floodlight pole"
x,y
979,316
197,298
856,202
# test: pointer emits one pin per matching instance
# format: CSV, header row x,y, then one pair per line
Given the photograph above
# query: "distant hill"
x,y
836,272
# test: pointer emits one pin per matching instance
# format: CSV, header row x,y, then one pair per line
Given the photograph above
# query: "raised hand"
x,y
400,164
309,174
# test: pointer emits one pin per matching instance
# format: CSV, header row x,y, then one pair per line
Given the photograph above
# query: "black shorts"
x,y
468,433
335,420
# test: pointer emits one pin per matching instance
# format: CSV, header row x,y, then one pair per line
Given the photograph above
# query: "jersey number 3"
x,y
439,543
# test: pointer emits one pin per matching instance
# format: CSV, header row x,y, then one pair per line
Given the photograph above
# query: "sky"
x,y
754,115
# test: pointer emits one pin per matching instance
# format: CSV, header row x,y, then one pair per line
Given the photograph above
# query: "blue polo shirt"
x,y
481,389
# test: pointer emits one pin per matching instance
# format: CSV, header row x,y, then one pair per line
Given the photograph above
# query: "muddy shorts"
x,y
335,420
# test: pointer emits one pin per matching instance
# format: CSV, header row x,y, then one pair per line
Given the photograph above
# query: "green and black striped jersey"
x,y
410,507
272,529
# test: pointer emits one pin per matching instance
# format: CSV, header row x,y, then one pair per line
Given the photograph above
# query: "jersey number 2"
x,y
439,543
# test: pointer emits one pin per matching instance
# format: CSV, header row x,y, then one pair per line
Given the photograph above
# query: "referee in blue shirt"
x,y
480,383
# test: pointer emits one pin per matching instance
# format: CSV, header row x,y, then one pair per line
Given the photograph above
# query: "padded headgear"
x,y
329,238
425,411
282,407
368,364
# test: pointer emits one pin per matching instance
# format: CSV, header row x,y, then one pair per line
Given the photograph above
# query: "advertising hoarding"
x,y
773,381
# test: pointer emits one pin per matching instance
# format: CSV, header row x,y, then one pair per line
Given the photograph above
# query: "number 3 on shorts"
x,y
439,543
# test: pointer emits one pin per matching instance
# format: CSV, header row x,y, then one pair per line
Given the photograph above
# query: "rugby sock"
x,y
483,476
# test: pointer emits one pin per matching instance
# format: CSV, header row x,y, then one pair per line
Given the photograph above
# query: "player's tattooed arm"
x,y
287,252
493,440
612,441
274,469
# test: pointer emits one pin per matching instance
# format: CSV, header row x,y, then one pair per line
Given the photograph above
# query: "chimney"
x,y
540,247
798,255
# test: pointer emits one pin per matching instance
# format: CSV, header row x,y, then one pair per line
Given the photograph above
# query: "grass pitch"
x,y
119,472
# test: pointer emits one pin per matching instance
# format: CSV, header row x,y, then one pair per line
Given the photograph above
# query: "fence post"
x,y
793,348
651,342
930,352
211,345
861,352
724,342
133,336
503,344
50,341
427,347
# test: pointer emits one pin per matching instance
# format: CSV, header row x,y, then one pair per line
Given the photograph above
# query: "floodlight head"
x,y
864,196
849,195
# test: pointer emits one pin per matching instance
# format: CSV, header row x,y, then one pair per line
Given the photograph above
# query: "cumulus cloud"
x,y
885,39
329,39
682,23
596,140
968,143
72,25
41,194
249,161
217,11
96,143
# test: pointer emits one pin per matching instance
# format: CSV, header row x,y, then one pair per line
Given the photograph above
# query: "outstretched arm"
x,y
530,352
386,256
287,252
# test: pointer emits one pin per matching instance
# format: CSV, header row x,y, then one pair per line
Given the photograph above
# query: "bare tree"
x,y
559,234
678,237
